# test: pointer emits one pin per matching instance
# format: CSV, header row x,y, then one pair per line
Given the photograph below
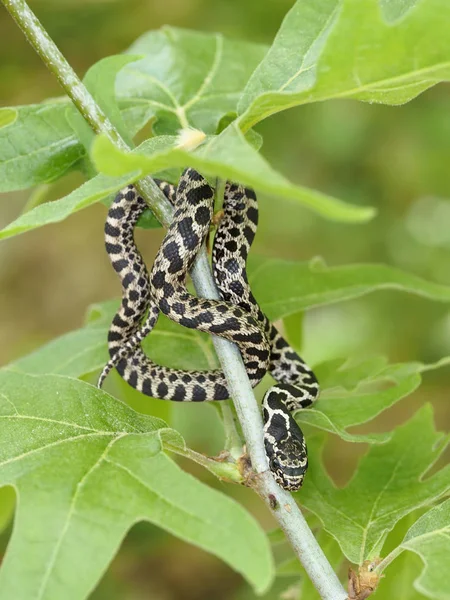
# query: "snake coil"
x,y
237,317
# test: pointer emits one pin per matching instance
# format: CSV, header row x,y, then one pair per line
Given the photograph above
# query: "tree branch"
x,y
280,502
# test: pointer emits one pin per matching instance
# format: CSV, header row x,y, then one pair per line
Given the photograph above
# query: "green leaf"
x,y
87,468
228,156
338,409
38,147
100,82
90,192
388,484
393,10
290,66
284,287
187,77
348,374
135,117
429,537
73,354
38,144
374,389
346,49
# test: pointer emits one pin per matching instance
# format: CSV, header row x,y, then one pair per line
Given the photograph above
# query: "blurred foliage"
x,y
395,158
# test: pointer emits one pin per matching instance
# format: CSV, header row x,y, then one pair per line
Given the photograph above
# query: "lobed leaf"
x,y
227,155
86,468
337,410
429,537
370,389
187,78
350,49
388,484
285,287
349,374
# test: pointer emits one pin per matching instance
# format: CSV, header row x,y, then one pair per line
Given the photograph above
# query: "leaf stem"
x,y
221,469
280,502
388,559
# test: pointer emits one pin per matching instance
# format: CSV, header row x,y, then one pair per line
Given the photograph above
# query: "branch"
x,y
280,502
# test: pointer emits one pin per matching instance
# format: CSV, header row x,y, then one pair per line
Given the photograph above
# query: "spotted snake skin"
x,y
237,317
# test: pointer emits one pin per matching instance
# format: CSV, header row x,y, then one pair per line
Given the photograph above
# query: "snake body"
x,y
237,317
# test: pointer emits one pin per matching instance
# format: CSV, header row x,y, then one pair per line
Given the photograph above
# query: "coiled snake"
x,y
237,317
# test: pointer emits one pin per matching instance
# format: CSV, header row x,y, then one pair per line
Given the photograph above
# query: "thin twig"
x,y
280,502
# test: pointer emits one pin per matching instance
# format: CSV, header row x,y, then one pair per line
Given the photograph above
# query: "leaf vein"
x,y
53,444
301,70
210,75
54,421
78,489
9,402
159,84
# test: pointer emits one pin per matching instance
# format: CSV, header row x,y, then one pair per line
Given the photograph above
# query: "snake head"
x,y
289,465
284,442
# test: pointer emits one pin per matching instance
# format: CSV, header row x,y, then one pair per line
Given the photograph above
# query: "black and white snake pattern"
x,y
237,317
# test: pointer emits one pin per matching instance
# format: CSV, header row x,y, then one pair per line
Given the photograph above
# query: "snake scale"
x,y
237,317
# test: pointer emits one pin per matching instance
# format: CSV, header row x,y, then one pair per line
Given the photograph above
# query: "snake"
x,y
236,317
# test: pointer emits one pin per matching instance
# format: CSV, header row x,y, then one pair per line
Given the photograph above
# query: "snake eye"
x,y
274,463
